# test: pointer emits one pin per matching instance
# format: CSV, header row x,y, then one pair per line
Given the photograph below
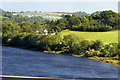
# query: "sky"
x,y
61,6
59,0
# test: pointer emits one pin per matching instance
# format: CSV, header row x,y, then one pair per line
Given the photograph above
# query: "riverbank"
x,y
99,59
107,60
102,59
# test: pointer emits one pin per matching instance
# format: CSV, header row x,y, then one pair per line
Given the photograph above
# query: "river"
x,y
21,62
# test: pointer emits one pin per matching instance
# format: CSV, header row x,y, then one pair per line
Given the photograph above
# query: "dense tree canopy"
x,y
105,21
20,31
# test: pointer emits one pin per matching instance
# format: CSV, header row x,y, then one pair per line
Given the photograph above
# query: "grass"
x,y
43,13
102,59
106,60
47,15
106,37
3,17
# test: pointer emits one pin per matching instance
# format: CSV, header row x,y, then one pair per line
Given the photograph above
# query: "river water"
x,y
20,62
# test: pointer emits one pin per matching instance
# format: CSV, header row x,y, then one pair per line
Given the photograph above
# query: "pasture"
x,y
48,15
106,37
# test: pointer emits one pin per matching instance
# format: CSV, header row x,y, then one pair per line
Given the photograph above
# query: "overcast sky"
x,y
59,0
88,6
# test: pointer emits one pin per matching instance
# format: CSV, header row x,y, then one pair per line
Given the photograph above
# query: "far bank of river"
x,y
99,59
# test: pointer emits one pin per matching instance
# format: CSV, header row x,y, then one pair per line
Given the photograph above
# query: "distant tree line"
x,y
80,13
105,21
19,18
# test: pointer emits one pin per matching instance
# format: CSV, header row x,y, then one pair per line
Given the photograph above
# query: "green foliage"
x,y
106,37
18,32
19,18
105,21
88,49
68,44
79,14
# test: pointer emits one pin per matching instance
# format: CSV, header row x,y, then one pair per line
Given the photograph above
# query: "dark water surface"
x,y
20,62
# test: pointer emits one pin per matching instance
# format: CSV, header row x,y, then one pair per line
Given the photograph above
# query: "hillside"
x,y
106,37
19,18
47,15
80,13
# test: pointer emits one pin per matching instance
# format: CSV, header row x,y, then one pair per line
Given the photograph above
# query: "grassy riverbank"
x,y
107,60
102,59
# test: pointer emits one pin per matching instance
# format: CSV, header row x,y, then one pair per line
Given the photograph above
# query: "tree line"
x,y
67,45
104,21
21,33
19,18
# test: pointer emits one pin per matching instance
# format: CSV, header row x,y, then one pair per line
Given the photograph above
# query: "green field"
x,y
3,17
47,15
106,37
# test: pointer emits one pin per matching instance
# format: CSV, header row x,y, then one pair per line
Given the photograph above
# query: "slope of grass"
x,y
106,37
47,15
3,17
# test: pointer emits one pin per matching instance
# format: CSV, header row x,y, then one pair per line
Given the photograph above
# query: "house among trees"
x,y
37,31
53,33
45,32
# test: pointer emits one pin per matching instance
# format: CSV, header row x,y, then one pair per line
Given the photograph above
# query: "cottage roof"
x,y
44,30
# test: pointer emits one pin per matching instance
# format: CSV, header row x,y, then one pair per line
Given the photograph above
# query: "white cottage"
x,y
53,33
45,32
37,31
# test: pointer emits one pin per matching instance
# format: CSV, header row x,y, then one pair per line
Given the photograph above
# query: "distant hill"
x,y
19,18
97,12
46,15
1,10
80,13
4,15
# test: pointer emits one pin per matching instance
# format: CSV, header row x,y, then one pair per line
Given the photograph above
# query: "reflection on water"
x,y
22,62
68,79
